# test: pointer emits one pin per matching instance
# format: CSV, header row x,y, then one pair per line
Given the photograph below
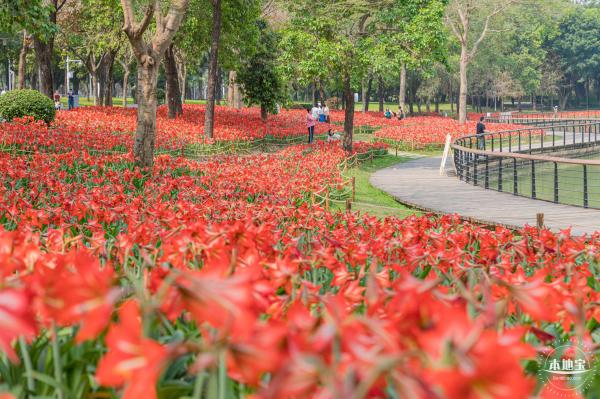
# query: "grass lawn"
x,y
370,199
374,106
117,101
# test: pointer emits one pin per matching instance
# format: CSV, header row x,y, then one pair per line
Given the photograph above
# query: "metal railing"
x,y
559,163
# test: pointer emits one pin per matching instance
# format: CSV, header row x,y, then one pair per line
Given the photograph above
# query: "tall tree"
x,y
462,16
43,43
209,115
149,53
259,77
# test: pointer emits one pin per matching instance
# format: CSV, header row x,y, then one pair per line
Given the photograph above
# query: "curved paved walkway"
x,y
418,183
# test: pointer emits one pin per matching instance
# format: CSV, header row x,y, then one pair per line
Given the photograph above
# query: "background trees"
x,y
484,55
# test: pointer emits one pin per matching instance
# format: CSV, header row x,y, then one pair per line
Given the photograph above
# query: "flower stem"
x,y
222,376
199,385
57,363
28,365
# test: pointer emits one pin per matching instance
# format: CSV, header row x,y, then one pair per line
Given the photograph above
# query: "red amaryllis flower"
x,y
16,319
132,360
78,290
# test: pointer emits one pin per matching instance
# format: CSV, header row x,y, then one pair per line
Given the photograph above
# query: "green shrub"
x,y
20,103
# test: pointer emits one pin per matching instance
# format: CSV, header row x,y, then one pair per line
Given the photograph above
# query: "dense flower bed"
x,y
433,130
230,124
220,279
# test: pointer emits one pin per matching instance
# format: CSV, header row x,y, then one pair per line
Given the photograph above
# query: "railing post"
x,y
467,162
533,193
487,172
515,182
553,138
475,159
500,142
500,174
519,141
555,183
585,186
529,131
564,135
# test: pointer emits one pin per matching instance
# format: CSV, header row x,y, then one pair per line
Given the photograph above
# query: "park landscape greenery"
x,y
180,250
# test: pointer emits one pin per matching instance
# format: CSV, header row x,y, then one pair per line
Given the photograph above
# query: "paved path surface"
x,y
418,183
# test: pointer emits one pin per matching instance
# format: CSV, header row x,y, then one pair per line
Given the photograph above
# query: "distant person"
x,y
56,100
310,124
70,100
555,111
326,113
388,114
400,113
315,112
332,136
321,114
480,131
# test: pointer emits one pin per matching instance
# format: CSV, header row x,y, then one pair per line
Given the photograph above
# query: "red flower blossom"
x,y
131,360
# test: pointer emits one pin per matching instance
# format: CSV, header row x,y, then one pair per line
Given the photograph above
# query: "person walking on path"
x,y
310,124
480,131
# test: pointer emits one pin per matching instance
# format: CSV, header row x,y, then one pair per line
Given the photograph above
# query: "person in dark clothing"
x,y
70,100
480,134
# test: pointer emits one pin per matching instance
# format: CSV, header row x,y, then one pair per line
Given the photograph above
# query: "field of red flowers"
x,y
418,132
230,125
219,279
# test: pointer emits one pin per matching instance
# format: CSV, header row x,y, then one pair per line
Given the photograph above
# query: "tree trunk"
x,y
368,96
209,116
402,93
145,136
23,62
533,102
428,105
348,113
231,89
263,113
125,83
437,104
172,79
182,76
95,92
43,53
462,104
451,96
109,78
321,92
380,94
314,93
365,103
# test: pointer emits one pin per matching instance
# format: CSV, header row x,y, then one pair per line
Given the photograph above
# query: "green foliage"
x,y
20,103
259,77
577,43
32,15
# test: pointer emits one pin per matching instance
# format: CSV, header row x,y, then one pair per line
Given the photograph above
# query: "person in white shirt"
x,y
315,112
326,113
